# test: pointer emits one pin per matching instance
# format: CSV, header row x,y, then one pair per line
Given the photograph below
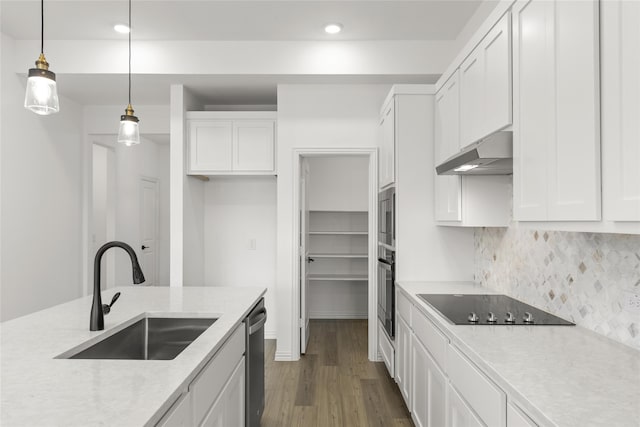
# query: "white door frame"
x,y
372,153
156,181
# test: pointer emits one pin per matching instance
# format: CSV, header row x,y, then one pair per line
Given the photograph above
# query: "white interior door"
x,y
304,256
149,229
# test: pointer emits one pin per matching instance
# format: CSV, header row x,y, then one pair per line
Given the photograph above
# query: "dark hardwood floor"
x,y
334,384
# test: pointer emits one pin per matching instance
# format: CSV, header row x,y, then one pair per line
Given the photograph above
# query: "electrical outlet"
x,y
631,302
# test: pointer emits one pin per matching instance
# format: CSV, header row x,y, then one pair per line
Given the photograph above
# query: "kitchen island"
x,y
38,388
522,375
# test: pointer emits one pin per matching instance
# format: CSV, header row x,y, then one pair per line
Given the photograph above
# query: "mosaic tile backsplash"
x,y
578,276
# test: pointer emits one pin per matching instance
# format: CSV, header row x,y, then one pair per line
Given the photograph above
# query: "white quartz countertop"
x,y
38,389
562,375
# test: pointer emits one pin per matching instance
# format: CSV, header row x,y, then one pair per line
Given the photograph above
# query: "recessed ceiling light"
x,y
121,28
333,28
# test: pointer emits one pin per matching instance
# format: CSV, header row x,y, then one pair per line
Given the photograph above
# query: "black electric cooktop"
x,y
470,309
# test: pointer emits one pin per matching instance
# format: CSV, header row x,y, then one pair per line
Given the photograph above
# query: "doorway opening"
x,y
335,237
129,202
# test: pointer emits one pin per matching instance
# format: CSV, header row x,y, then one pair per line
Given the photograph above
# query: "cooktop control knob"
x,y
491,318
528,317
473,317
510,318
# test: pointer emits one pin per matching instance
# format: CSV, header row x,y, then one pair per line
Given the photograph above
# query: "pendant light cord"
x,y
41,26
130,29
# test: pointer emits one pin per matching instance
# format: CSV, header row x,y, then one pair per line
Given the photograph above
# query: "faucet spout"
x,y
97,314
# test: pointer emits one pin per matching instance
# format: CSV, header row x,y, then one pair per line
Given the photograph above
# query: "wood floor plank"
x,y
334,384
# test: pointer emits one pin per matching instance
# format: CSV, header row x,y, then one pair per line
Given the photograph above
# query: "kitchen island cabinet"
x,y
204,382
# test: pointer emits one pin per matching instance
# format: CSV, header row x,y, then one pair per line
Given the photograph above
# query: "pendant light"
x,y
129,134
42,94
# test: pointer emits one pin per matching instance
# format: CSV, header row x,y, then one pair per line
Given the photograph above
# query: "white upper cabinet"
x,y
386,175
556,119
231,143
210,145
447,143
253,145
620,41
485,85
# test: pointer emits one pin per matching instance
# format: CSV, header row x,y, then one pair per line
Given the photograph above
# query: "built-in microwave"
x,y
386,217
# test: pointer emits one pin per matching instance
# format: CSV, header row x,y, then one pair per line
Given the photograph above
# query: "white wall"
x,y
338,183
237,212
187,199
314,116
41,199
164,243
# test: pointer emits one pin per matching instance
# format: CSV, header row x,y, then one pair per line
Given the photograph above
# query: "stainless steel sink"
x,y
152,338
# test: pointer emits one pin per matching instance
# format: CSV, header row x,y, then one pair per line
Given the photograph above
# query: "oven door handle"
x,y
384,261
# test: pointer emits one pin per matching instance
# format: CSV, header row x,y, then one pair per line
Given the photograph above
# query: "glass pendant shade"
x,y
129,134
41,96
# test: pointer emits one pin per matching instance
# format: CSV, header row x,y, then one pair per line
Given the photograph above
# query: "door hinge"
x,y
301,323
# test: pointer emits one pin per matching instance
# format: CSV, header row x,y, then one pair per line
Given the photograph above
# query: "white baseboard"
x,y
337,315
283,356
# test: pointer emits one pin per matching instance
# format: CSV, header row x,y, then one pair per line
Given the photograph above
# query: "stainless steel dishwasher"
x,y
254,363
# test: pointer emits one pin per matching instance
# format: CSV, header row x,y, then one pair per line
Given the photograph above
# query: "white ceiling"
x,y
239,20
213,20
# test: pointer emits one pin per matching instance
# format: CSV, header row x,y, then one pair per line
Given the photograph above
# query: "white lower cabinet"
x,y
228,409
428,388
386,351
458,412
216,397
403,357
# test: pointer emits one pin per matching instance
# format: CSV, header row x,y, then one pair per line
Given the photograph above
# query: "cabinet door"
x,y
210,145
447,142
556,111
428,388
403,364
253,148
621,109
496,51
228,409
574,160
387,149
458,413
471,98
532,72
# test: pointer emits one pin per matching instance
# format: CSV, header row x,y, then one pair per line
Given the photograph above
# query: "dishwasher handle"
x,y
261,315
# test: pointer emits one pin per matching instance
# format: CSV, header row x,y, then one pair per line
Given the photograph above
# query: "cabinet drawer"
x,y
404,308
432,338
484,397
207,386
386,350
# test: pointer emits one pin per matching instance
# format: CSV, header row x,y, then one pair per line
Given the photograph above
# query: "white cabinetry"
x,y
228,409
485,85
447,134
469,201
386,351
428,388
216,396
620,65
403,357
556,174
225,143
458,412
386,165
